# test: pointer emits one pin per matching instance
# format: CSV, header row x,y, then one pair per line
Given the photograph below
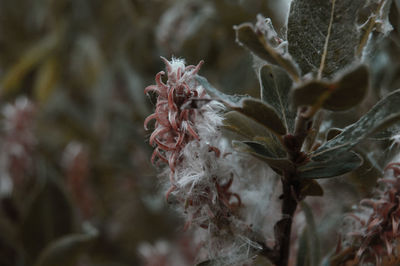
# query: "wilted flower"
x,y
174,126
203,169
189,136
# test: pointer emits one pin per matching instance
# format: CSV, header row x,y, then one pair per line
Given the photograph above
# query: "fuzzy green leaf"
x,y
351,90
225,98
207,263
244,126
255,41
261,261
275,86
348,91
252,131
395,16
303,256
32,57
310,93
310,187
40,226
309,248
333,132
246,36
263,153
262,113
365,177
66,250
315,26
334,167
46,79
383,114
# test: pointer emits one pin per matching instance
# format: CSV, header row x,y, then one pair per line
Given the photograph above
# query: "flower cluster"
x,y
202,166
376,226
187,138
204,171
174,126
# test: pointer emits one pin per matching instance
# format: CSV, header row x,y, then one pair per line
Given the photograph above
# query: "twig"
x,y
291,191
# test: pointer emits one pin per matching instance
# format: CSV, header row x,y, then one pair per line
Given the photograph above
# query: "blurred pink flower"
x,y
76,163
18,141
377,232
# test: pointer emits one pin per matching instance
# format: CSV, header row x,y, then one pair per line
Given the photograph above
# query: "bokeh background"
x,y
76,183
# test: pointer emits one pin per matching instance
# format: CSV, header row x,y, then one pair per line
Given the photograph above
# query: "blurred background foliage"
x,y
76,184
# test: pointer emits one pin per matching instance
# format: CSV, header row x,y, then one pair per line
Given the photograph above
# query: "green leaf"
x,y
323,34
311,93
29,59
225,98
262,113
342,164
365,177
49,217
255,40
348,91
252,146
246,36
333,132
244,126
396,14
46,79
207,263
261,261
66,250
309,247
252,131
262,152
303,256
9,241
275,88
310,187
252,108
272,144
383,114
351,90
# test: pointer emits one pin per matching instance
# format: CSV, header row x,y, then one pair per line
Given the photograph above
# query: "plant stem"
x,y
291,188
289,206
291,194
